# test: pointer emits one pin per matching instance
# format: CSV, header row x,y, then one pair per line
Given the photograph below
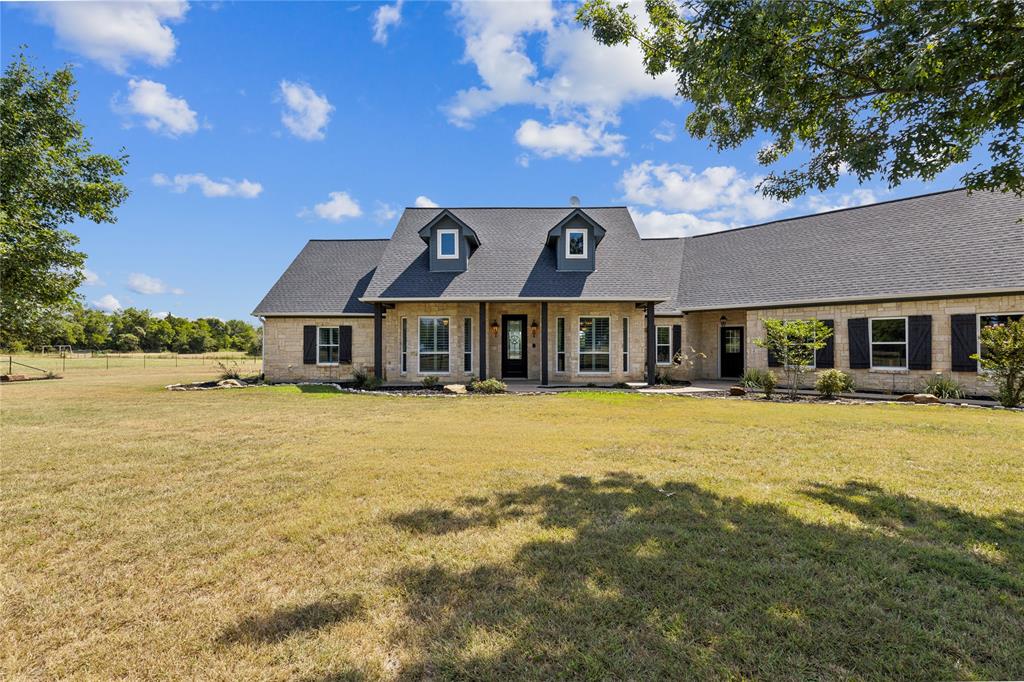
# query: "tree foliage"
x,y
897,90
1003,357
49,177
794,343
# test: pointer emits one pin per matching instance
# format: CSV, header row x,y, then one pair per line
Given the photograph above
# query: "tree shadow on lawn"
x,y
282,623
639,582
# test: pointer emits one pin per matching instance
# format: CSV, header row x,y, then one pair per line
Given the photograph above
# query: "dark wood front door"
x,y
730,350
513,346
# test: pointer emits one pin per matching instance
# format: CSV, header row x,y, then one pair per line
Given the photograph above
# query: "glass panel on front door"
x,y
733,341
515,340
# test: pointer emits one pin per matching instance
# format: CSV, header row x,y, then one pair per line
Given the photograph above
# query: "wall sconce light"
x,y
534,328
723,319
494,327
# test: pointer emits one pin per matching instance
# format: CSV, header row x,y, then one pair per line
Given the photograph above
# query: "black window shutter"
x,y
309,344
677,340
825,357
919,337
860,347
345,344
964,337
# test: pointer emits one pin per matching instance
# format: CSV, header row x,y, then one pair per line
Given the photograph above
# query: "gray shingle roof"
x,y
667,256
944,242
514,262
328,277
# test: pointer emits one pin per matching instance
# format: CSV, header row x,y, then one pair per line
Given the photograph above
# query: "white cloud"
x,y
162,112
824,202
107,302
161,315
720,193
664,131
91,278
225,187
306,113
579,81
144,284
338,207
568,139
660,224
114,33
425,202
384,18
385,212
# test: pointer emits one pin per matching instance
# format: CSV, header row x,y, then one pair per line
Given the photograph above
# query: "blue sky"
x,y
253,127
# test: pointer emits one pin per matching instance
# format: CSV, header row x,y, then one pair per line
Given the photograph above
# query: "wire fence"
x,y
67,362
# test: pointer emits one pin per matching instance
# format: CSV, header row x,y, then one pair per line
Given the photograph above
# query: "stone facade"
x,y
282,349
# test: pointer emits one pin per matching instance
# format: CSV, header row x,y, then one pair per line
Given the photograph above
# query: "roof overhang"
x,y
915,296
512,299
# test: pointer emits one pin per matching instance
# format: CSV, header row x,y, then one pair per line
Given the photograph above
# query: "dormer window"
x,y
448,244
575,243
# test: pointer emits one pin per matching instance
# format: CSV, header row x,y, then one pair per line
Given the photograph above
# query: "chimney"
x,y
574,201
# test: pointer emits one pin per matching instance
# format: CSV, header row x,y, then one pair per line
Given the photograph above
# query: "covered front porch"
x,y
541,342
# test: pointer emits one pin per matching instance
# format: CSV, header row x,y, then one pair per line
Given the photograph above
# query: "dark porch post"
x,y
544,343
483,340
651,348
378,340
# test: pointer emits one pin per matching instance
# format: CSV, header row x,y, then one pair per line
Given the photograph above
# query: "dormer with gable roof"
x,y
575,239
450,242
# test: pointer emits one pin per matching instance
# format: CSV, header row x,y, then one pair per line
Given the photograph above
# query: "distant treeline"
x,y
132,329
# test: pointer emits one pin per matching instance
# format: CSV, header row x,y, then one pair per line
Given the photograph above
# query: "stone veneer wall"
x,y
282,341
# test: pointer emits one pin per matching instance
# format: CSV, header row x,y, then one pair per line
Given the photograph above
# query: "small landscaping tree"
x,y
1003,356
686,360
794,343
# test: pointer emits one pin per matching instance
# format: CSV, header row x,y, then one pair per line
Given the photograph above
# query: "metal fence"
x,y
89,360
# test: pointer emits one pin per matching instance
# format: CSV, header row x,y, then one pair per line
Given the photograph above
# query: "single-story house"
x,y
575,295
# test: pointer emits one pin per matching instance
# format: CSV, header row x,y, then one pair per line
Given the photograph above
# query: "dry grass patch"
x,y
272,533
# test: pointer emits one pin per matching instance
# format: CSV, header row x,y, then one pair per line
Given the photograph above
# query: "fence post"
x,y
107,358
10,364
63,363
143,361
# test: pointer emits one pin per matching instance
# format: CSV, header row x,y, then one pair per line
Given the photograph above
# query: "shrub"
x,y
430,382
229,372
832,381
942,386
365,381
1003,358
794,344
763,379
487,386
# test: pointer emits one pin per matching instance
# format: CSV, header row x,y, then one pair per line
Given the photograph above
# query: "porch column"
x,y
482,326
651,347
378,340
544,343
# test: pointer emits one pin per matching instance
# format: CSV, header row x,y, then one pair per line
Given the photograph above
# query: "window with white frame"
x,y
575,243
448,244
625,344
663,345
405,345
994,320
467,345
328,345
595,342
888,342
433,338
560,344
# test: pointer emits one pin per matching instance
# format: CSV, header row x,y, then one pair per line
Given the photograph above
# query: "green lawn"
x,y
273,533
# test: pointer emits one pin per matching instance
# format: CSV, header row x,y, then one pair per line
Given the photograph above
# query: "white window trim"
x,y
568,232
906,344
579,350
467,340
403,333
330,345
420,354
442,256
977,333
563,353
656,344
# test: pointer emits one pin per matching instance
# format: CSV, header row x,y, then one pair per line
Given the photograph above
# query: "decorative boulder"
x,y
455,389
737,390
230,383
919,398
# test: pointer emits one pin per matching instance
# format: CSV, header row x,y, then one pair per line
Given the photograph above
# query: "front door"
x,y
731,352
513,346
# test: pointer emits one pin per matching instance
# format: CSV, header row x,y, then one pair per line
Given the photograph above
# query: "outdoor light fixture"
x,y
534,328
723,319
494,327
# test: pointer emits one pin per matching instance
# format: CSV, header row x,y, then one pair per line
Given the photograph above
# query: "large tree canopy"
x,y
892,89
49,176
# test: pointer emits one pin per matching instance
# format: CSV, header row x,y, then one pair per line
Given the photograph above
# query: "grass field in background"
x,y
126,361
274,533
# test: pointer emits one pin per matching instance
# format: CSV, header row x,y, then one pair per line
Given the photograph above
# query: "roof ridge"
x,y
506,208
834,210
354,239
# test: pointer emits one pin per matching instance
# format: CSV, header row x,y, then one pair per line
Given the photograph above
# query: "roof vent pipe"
x,y
574,201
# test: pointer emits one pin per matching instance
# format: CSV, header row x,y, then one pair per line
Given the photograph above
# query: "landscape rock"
x,y
919,398
13,377
230,383
737,390
455,389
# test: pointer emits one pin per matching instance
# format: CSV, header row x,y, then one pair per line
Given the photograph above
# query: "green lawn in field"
x,y
272,533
